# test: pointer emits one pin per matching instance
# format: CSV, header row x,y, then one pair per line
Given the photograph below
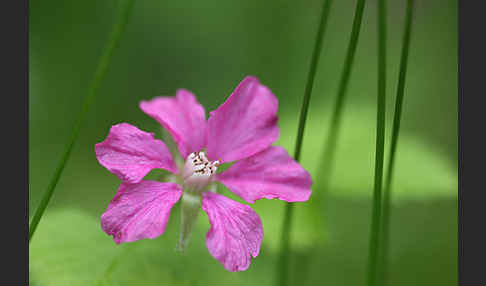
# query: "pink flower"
x,y
242,131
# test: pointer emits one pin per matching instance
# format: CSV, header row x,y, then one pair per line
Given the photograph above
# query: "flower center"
x,y
198,171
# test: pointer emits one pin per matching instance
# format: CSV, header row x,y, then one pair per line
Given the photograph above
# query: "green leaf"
x,y
70,249
420,170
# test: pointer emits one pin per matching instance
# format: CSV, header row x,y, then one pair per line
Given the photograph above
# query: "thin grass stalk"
x,y
283,265
122,20
394,140
380,147
332,136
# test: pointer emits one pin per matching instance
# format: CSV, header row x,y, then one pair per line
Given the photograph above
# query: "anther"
x,y
198,171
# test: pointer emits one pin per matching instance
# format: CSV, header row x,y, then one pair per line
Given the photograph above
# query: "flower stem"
x,y
113,42
190,208
282,270
380,146
394,140
331,139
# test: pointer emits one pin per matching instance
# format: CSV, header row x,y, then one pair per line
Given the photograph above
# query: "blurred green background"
x,y
208,47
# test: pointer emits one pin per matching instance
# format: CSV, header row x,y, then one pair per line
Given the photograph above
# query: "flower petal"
x,y
268,174
236,231
183,117
245,124
131,153
140,210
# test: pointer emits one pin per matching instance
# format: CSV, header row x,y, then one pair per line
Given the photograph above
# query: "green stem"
x,y
113,42
282,270
393,147
332,136
380,146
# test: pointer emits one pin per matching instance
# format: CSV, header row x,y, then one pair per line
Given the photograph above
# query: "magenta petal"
x,y
268,174
183,117
236,231
140,210
131,153
245,124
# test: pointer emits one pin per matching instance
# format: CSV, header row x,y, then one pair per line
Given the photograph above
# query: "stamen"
x,y
198,170
197,174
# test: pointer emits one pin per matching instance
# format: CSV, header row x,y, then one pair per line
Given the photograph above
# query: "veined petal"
x,y
183,117
140,210
131,153
268,174
236,231
245,124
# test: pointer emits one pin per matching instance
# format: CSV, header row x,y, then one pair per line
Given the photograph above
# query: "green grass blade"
x,y
122,20
325,168
332,136
380,147
282,267
394,140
